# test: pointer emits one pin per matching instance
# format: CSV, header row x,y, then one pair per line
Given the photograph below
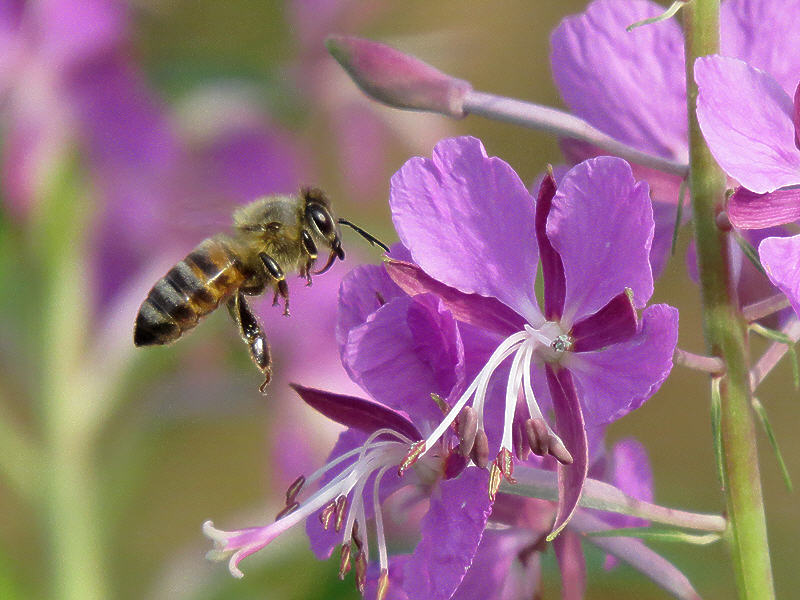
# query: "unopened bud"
x,y
397,79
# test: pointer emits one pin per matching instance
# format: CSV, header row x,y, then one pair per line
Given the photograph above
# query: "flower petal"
x,y
571,427
467,308
747,210
615,322
552,265
572,565
601,224
620,378
363,291
365,415
629,84
632,474
407,350
746,118
763,34
781,260
467,220
451,532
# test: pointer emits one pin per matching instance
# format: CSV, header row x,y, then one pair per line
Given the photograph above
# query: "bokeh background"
x,y
128,131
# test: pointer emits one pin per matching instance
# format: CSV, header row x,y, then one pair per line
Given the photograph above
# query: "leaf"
x,y
782,338
716,429
667,14
750,252
662,535
678,216
761,412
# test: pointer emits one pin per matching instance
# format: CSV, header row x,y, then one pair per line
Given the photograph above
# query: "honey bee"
x,y
272,236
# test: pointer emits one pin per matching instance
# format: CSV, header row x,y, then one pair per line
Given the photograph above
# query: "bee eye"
x,y
321,219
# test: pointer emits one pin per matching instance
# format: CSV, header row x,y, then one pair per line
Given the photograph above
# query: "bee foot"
x,y
267,378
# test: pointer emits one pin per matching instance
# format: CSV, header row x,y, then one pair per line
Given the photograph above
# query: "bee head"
x,y
322,223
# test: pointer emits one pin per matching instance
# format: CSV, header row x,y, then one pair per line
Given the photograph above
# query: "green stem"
x,y
725,332
70,501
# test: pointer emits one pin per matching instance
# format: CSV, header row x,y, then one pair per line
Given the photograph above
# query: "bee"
x,y
271,236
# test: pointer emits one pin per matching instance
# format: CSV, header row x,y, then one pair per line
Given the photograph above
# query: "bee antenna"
x,y
367,236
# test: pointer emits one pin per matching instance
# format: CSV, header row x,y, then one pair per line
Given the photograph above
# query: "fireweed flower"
x,y
760,151
475,236
420,351
631,85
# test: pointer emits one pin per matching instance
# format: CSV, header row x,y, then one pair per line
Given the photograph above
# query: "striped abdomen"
x,y
192,289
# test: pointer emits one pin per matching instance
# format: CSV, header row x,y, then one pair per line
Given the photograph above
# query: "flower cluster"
x,y
462,364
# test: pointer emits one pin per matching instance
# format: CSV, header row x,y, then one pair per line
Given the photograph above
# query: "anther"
x,y
361,571
441,403
417,450
294,489
538,436
341,510
521,447
326,515
480,449
289,508
505,461
467,429
383,584
344,560
356,537
558,450
495,477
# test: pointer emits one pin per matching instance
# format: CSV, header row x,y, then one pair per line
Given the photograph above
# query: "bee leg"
x,y
252,335
311,250
275,271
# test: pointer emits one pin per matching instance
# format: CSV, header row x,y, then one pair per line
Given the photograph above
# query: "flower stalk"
x,y
70,501
725,331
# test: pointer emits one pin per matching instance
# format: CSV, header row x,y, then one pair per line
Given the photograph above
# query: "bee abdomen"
x,y
190,290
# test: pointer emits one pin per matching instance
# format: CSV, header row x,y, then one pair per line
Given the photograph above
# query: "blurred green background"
x,y
189,437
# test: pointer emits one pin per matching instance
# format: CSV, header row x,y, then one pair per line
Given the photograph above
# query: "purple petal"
x,y
572,430
451,532
407,350
365,415
614,323
467,308
614,381
639,556
467,220
488,575
601,224
746,118
363,291
781,257
747,210
629,84
764,35
632,474
552,266
796,116
572,565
